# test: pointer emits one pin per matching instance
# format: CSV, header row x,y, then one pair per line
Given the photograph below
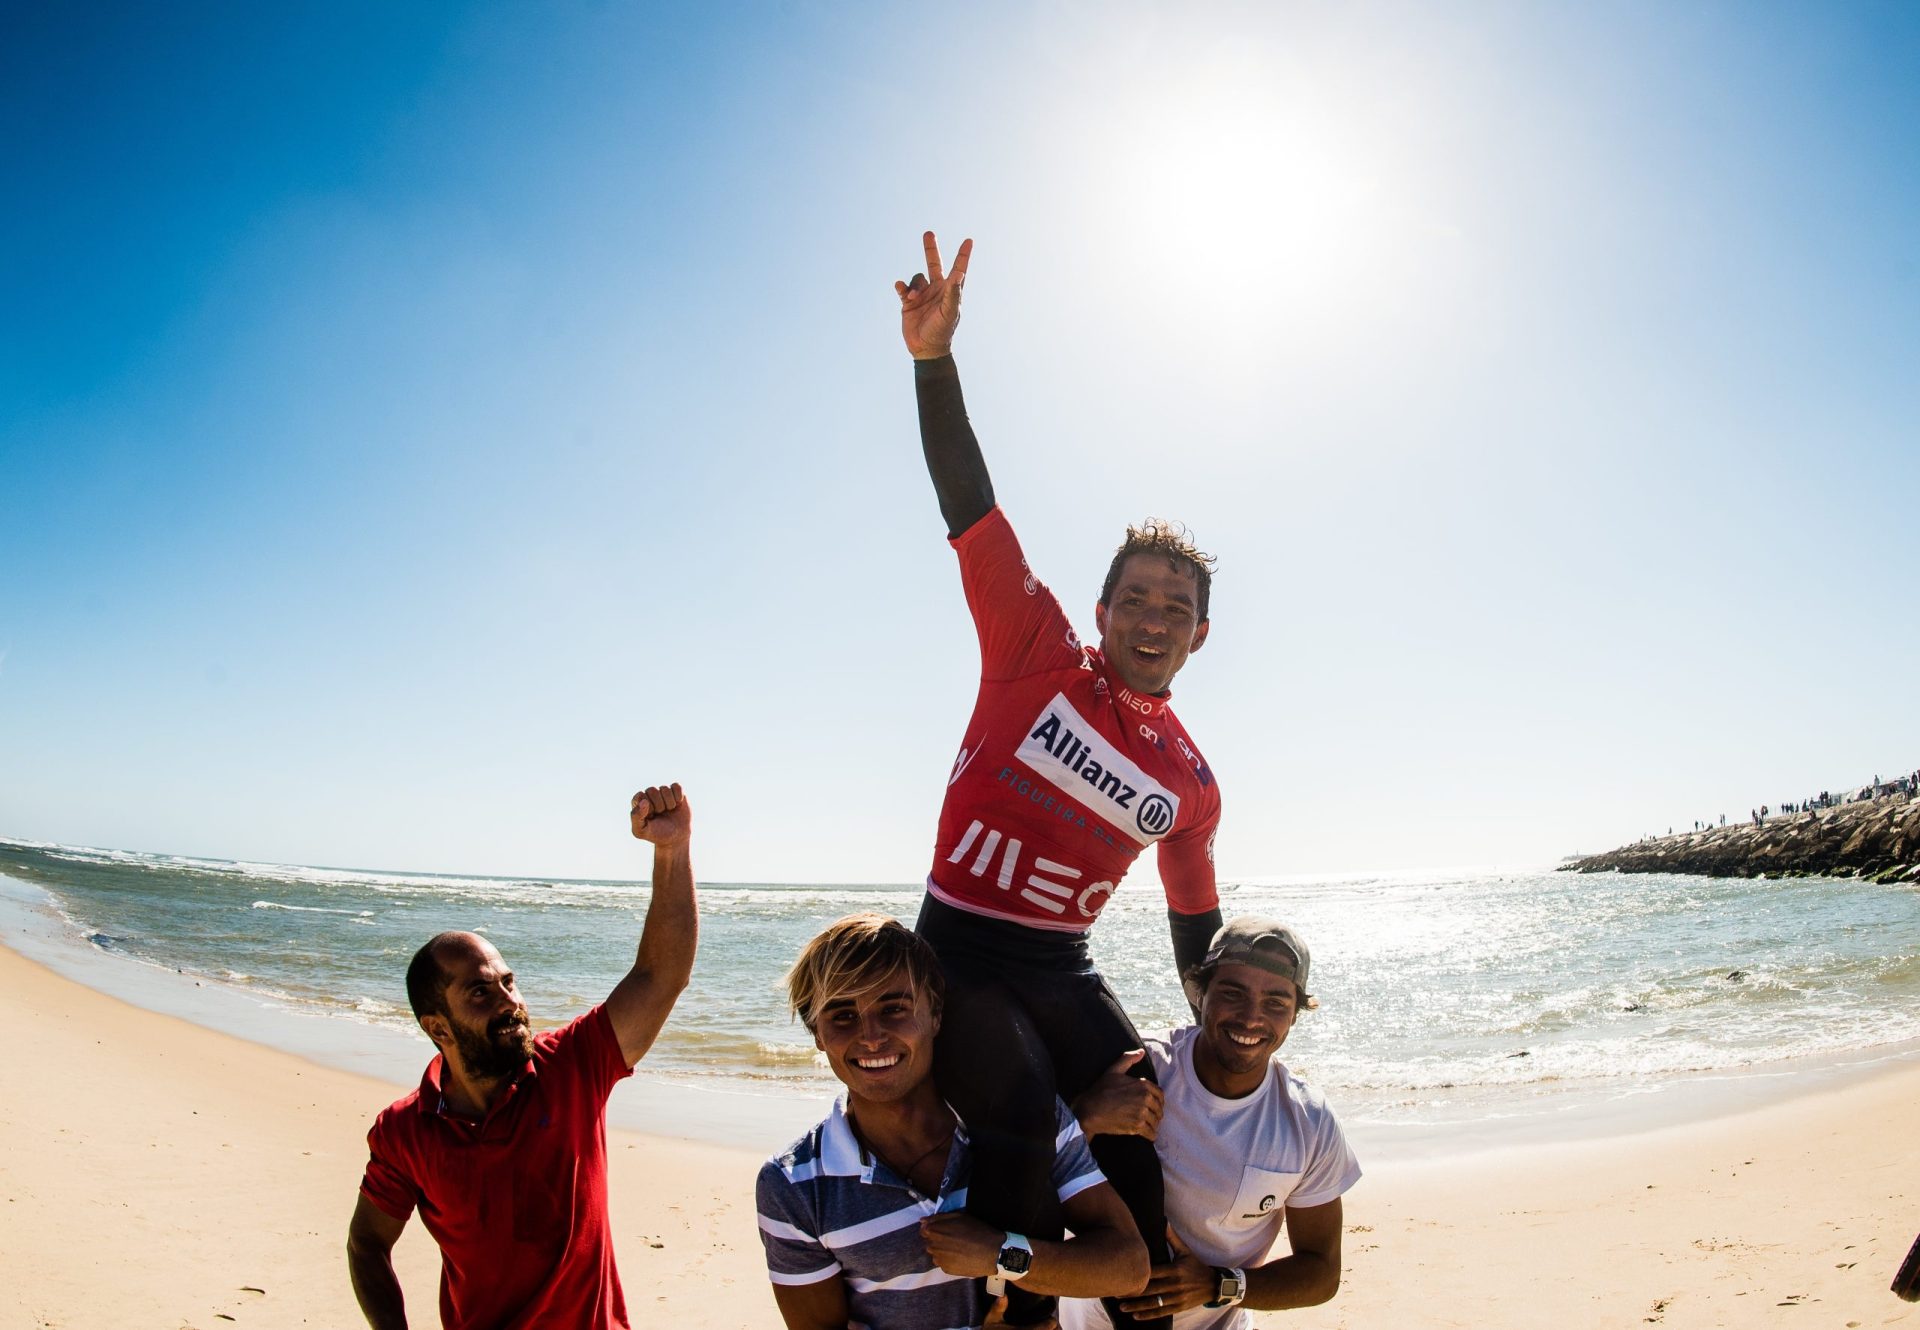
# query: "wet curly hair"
x,y
1175,542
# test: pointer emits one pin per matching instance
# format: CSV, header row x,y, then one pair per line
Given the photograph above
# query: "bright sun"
x,y
1228,188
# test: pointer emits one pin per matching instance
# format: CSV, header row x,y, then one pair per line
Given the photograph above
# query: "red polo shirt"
x,y
518,1200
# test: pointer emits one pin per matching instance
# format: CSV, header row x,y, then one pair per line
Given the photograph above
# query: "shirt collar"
x,y
1108,684
842,1155
432,1100
840,1152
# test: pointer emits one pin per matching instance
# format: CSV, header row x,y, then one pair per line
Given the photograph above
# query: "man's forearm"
x,y
1098,1264
671,934
377,1288
1191,935
959,472
1304,1279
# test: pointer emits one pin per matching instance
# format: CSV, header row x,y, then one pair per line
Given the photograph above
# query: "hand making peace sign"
x,y
930,303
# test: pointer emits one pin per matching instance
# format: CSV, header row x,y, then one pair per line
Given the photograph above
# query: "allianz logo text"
x,y
1065,750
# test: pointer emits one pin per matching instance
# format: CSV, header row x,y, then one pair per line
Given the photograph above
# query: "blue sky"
x,y
420,427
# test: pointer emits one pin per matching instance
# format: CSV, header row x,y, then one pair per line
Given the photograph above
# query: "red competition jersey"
x,y
1065,775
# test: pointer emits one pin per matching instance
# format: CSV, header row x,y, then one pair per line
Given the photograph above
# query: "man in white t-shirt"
x,y
1243,1142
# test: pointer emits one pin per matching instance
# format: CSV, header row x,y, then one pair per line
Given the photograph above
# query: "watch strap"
x,y
1015,1258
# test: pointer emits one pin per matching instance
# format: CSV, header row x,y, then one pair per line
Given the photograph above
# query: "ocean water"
x,y
1443,996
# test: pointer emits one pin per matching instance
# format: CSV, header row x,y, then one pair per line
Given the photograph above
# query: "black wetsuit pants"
x,y
1027,1018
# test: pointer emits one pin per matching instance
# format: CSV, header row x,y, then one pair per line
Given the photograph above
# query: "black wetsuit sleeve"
x,y
953,454
1191,934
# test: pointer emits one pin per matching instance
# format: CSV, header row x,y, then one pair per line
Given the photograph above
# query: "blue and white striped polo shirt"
x,y
830,1210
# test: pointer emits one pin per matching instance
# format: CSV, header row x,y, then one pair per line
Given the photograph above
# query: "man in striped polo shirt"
x,y
862,1216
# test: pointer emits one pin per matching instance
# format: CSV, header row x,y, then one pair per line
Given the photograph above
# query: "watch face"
x,y
1228,1290
1015,1260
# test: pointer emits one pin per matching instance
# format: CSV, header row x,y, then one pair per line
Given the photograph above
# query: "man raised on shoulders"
x,y
861,1216
1072,766
503,1147
1242,1143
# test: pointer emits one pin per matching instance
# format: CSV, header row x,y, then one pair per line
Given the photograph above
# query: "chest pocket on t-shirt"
x,y
1262,1194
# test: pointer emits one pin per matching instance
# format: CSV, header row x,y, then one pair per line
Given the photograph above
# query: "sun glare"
x,y
1244,200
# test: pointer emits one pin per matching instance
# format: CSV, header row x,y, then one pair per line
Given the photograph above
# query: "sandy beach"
x,y
160,1174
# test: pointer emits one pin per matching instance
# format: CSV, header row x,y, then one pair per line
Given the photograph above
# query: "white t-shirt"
x,y
1232,1168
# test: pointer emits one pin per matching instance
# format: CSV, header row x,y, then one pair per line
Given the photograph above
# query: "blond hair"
x,y
854,956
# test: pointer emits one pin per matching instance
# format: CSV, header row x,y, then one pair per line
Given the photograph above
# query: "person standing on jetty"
x,y
503,1147
1073,763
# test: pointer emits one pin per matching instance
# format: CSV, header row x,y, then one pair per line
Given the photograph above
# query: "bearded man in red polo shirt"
x,y
503,1148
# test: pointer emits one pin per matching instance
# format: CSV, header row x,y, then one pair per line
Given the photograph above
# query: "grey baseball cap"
x,y
1266,944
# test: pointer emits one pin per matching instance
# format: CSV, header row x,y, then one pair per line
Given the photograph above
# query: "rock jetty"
x,y
1877,839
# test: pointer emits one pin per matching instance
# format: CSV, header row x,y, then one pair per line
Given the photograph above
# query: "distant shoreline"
x,y
1875,839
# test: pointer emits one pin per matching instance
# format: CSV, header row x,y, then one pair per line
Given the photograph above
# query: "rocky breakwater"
x,y
1877,839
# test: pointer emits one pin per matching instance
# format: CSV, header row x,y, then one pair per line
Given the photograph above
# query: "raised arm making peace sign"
x,y
1073,764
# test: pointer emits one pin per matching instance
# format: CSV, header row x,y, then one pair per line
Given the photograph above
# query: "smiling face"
x,y
1151,622
1245,1015
483,1024
879,1042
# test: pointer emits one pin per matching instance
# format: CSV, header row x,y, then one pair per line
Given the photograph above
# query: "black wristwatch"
x,y
1230,1287
1015,1259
